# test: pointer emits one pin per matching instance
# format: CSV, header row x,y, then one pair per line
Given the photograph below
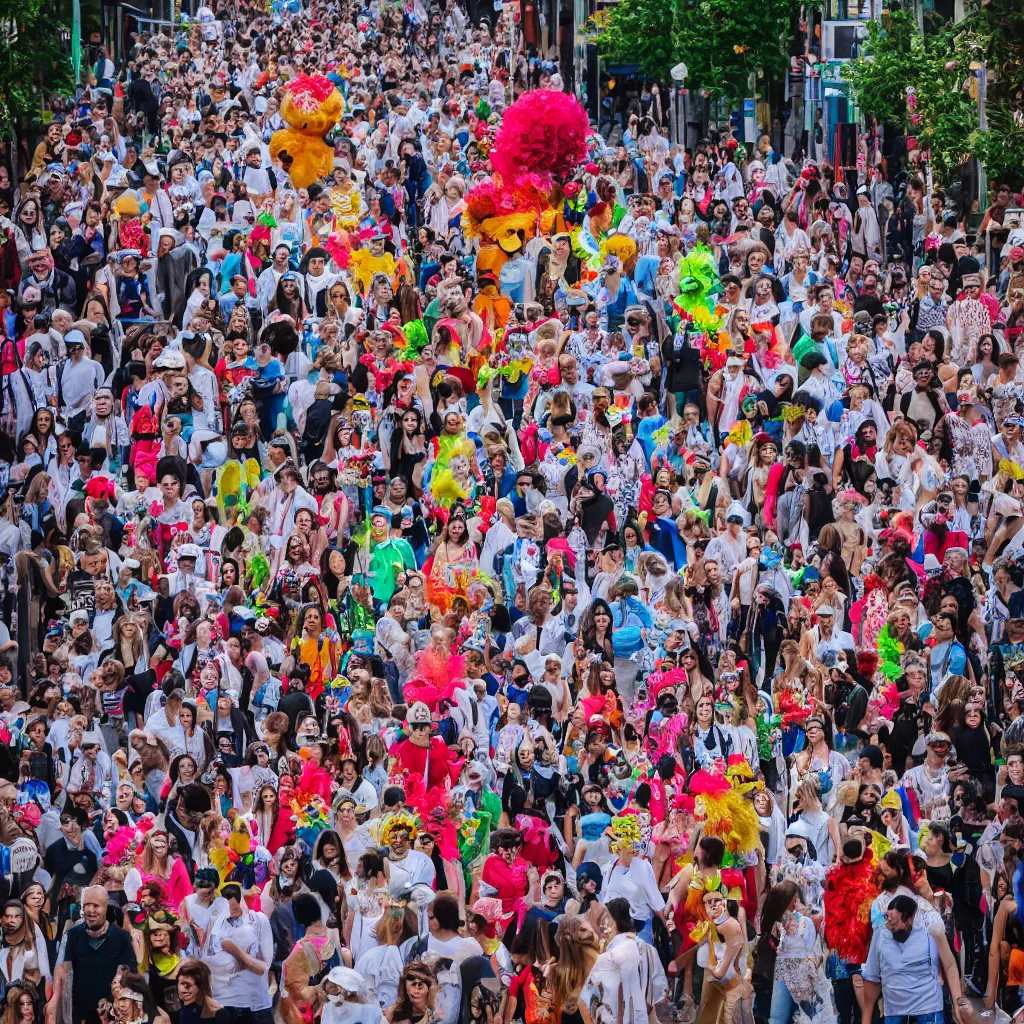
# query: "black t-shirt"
x,y
95,963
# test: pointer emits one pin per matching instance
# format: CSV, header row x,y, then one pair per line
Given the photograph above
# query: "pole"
x,y
982,74
673,134
76,37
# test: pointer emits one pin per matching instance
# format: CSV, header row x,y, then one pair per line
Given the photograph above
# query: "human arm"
x,y
837,468
733,945
871,991
951,971
872,979
1006,908
833,834
258,965
60,977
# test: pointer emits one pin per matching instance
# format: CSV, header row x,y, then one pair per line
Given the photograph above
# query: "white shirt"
x,y
78,381
457,948
636,884
234,985
727,552
172,735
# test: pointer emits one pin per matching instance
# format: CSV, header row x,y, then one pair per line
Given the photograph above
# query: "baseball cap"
x,y
74,337
827,610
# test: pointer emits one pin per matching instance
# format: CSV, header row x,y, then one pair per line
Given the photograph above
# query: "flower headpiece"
x,y
625,833
399,820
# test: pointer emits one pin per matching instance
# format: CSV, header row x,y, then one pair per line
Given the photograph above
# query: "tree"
x,y
33,64
722,42
894,51
928,85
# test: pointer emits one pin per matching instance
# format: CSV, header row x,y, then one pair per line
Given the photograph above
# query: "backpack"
x,y
318,419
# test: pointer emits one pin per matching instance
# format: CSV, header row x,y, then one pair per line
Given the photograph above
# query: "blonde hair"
x,y
808,792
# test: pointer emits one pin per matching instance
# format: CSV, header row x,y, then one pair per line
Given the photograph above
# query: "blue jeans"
x,y
782,1004
915,1018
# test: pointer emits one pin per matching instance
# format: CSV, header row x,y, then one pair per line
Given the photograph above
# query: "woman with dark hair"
x,y
272,827
229,574
777,903
308,963
531,951
503,876
596,629
196,994
407,450
329,855
988,360
288,300
937,349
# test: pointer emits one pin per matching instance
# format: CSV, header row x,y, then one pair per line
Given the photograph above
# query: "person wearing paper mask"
x,y
347,998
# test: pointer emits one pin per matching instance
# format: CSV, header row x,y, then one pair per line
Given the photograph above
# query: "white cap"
x,y
169,359
346,978
825,609
78,615
189,551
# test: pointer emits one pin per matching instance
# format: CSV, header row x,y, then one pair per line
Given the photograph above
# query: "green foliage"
x,y
722,42
894,53
1000,148
33,67
939,67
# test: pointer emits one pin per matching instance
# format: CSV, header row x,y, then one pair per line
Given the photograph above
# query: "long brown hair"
x,y
14,994
576,956
403,1008
199,974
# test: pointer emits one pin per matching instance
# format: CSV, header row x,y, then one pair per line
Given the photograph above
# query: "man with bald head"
x,y
95,949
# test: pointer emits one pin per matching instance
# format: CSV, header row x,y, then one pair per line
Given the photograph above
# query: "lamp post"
x,y
679,75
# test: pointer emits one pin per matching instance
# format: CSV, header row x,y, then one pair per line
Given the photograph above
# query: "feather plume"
x,y
698,277
545,132
849,892
439,675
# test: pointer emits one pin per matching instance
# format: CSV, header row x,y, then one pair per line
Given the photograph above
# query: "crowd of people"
x,y
458,566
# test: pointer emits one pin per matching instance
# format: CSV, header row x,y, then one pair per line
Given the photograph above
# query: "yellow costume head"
x,y
311,107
